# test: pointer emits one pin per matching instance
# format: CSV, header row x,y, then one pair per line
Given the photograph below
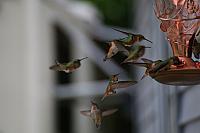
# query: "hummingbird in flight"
x,y
97,114
115,84
131,38
115,47
148,64
135,53
67,67
114,78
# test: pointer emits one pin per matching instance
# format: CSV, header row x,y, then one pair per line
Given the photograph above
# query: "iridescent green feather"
x,y
126,39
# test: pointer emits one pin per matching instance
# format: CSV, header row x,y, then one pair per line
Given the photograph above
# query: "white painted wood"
x,y
189,105
192,127
26,94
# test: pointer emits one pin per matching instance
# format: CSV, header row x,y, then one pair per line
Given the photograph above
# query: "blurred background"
x,y
34,99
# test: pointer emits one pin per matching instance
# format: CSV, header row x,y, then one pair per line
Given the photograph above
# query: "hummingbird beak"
x,y
102,99
97,126
147,47
148,40
126,33
108,42
116,74
93,103
105,58
83,58
143,77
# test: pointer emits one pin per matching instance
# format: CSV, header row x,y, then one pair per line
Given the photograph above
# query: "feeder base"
x,y
187,75
179,77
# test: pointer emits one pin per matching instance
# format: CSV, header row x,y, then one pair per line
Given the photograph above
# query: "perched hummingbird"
x,y
135,53
166,65
97,114
194,45
149,64
131,38
67,67
113,85
115,47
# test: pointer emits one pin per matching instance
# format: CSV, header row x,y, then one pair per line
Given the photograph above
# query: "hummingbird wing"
x,y
133,55
69,64
123,49
159,66
109,112
123,84
113,50
196,55
86,113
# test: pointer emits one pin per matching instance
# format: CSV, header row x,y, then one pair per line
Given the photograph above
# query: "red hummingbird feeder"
x,y
179,20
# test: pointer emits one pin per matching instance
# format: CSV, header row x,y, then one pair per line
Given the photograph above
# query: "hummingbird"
x,y
114,78
149,64
113,85
67,67
131,38
194,45
115,47
97,114
166,65
135,53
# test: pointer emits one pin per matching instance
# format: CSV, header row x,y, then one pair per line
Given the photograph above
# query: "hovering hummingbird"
x,y
131,38
67,67
149,64
115,47
135,53
112,86
97,114
114,78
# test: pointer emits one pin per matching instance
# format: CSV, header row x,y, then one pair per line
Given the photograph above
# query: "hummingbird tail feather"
x,y
51,67
54,67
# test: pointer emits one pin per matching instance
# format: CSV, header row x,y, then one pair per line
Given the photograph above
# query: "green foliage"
x,y
116,12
